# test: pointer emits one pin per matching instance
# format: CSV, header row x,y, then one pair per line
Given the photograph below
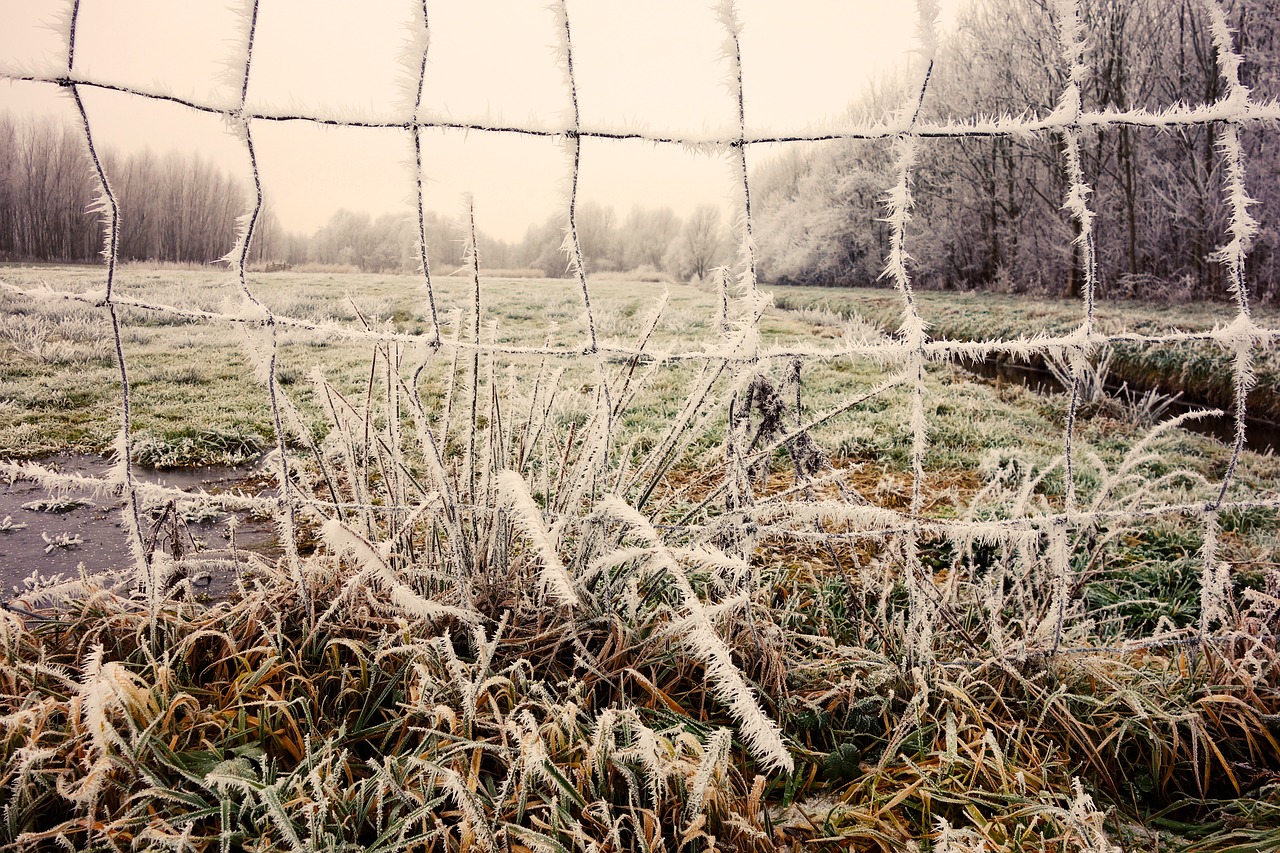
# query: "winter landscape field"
x,y
915,489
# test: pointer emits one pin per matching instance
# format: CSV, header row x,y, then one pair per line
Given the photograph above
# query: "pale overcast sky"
x,y
653,65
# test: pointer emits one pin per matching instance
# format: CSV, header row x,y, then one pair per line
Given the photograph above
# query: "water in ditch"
x,y
1261,436
79,529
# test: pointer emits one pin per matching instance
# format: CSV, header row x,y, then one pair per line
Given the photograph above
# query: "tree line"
x,y
989,211
181,208
174,207
645,241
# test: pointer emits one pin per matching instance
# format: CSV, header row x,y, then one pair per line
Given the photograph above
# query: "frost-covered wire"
x,y
108,209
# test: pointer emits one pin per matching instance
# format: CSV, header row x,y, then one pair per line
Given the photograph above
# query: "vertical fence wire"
x,y
239,258
1076,203
920,587
1215,586
727,12
1240,232
602,425
109,209
573,148
421,38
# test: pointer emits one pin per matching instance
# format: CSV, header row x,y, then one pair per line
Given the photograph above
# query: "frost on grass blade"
x,y
555,577
760,733
343,540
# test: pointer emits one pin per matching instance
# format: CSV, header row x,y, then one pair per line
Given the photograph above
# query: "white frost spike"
x,y
120,479
952,840
898,203
235,66
60,21
647,749
563,49
715,757
106,692
603,742
727,15
1229,61
62,540
927,27
1071,34
259,354
555,577
101,207
1243,227
106,689
251,312
1059,555
243,221
413,59
1087,822
1215,580
473,817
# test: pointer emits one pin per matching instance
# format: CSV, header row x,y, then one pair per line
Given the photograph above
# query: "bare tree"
x,y
645,236
700,245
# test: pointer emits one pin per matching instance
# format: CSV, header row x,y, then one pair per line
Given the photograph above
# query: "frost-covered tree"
x,y
387,244
700,246
989,209
645,236
175,207
46,184
598,237
819,215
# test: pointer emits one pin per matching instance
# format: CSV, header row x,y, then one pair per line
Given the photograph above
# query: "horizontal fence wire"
x,y
1258,114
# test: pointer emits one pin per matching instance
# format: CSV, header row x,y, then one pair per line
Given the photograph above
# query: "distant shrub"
x,y
312,267
645,272
514,272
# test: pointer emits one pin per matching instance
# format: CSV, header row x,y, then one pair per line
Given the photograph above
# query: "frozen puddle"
x,y
55,533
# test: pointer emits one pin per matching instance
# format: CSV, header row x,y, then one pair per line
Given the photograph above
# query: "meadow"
x,y
686,593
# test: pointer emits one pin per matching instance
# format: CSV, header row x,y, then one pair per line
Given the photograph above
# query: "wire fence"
x,y
910,354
